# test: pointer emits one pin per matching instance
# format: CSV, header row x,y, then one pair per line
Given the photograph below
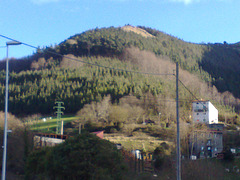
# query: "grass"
x,y
49,123
138,141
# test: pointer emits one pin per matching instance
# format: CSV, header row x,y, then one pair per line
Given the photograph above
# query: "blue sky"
x,y
45,22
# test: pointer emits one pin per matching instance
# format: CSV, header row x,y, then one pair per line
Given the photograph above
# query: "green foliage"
x,y
214,63
222,63
45,77
231,127
161,155
81,157
33,92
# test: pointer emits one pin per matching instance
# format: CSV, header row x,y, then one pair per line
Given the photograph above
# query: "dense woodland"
x,y
80,77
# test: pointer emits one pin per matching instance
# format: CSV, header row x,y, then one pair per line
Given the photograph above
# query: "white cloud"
x,y
185,1
43,1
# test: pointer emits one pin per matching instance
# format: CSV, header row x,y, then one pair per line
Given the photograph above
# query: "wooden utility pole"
x,y
178,128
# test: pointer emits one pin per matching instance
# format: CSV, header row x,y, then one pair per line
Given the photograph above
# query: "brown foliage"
x,y
94,112
70,61
19,141
150,63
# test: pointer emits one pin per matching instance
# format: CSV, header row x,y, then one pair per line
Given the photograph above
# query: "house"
x,y
208,142
47,139
204,112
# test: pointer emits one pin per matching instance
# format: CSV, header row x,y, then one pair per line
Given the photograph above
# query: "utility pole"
x,y
178,128
59,112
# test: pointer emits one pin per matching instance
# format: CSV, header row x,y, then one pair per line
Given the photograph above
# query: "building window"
x,y
209,143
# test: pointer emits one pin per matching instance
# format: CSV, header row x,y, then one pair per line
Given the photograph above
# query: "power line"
x,y
85,62
190,92
98,65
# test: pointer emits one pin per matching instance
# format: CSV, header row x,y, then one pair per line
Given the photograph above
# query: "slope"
x,y
54,76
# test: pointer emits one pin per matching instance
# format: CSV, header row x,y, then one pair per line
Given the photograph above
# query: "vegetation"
x,y
120,80
81,157
19,144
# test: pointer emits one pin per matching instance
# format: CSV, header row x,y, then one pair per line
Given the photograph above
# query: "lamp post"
x,y
10,43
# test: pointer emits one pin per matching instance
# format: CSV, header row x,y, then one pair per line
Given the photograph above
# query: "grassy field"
x,y
138,141
49,123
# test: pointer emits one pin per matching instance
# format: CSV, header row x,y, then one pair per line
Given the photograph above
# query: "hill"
x,y
47,76
217,64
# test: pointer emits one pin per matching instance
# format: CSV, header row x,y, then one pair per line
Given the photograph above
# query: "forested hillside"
x,y
79,77
217,64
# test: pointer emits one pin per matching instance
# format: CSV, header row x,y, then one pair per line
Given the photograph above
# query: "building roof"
x,y
99,134
201,100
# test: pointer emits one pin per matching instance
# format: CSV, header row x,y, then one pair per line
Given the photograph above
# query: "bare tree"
x,y
70,61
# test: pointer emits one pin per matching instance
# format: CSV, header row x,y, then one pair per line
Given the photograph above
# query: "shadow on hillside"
x,y
222,62
16,65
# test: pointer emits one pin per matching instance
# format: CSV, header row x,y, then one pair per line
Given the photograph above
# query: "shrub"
x,y
161,156
119,125
113,130
19,143
81,157
231,127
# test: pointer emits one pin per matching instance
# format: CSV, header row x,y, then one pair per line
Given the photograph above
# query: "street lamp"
x,y
10,43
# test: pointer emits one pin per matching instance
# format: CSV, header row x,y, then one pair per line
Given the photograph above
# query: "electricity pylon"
x,y
59,112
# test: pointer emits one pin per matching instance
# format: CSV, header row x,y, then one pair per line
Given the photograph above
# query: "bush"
x,y
119,125
19,143
232,127
81,157
161,156
113,130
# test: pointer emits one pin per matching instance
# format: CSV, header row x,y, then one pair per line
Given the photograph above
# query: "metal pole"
x,y
178,129
4,161
5,124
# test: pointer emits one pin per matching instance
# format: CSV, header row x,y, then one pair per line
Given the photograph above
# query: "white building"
x,y
204,112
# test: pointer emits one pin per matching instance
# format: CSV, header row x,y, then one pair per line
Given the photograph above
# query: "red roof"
x,y
99,134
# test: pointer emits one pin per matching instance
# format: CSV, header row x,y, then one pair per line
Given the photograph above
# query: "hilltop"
x,y
137,30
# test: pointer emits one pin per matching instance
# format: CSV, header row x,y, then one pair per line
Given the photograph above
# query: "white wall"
x,y
204,112
213,114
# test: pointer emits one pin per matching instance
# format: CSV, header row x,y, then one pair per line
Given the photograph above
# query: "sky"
x,y
43,23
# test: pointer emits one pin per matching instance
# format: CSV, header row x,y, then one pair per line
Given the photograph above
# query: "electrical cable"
x,y
92,64
107,67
